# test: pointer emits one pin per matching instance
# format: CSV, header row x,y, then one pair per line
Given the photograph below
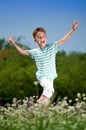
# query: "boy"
x,y
44,57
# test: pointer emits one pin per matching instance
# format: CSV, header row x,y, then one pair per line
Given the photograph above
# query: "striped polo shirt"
x,y
45,61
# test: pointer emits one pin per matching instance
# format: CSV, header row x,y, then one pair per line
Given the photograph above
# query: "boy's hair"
x,y
39,29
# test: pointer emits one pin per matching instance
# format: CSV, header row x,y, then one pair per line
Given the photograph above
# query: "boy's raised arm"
x,y
19,49
69,34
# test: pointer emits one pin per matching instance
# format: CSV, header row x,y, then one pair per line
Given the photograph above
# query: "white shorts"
x,y
47,85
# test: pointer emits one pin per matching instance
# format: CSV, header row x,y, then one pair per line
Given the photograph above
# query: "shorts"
x,y
47,86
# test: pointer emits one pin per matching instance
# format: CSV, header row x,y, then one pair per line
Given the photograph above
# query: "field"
x,y
26,115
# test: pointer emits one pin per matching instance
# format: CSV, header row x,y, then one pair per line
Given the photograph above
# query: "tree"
x,y
2,41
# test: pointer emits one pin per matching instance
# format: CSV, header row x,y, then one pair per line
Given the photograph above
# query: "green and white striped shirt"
x,y
45,61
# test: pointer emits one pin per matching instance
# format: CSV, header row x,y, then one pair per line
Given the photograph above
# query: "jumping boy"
x,y
44,57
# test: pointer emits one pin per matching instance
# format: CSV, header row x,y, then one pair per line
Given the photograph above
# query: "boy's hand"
x,y
75,25
10,39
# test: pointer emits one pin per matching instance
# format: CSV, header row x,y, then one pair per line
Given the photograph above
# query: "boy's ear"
x,y
34,39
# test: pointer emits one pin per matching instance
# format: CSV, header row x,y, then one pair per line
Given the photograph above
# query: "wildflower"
x,y
84,98
76,99
14,100
78,95
28,105
65,98
35,83
83,94
70,101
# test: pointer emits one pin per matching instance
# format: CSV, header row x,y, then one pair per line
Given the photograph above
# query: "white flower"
x,y
70,101
14,100
65,98
78,95
84,98
35,83
76,99
83,94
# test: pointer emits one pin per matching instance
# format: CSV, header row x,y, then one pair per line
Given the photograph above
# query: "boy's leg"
x,y
43,97
48,90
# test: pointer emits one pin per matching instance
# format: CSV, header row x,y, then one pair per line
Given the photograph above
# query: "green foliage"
x,y
2,43
71,74
17,75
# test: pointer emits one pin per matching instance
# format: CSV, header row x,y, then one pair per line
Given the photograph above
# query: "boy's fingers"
x,y
10,38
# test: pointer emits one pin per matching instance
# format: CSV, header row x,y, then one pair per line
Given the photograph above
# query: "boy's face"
x,y
41,39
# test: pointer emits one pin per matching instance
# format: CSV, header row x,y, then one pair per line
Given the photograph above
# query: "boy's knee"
x,y
48,92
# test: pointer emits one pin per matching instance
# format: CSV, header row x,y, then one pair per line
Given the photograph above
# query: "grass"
x,y
62,116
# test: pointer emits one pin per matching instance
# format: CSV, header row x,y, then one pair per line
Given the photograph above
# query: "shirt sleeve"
x,y
56,46
31,53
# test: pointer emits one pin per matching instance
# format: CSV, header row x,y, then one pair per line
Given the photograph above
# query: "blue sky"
x,y
21,17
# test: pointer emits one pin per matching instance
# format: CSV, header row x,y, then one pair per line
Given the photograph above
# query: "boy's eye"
x,y
40,37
